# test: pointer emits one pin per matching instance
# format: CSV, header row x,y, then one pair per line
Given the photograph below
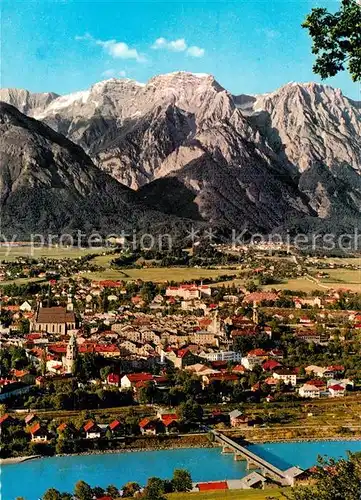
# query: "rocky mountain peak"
x,y
314,122
259,160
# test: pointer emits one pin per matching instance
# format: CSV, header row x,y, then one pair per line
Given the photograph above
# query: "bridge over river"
x,y
253,460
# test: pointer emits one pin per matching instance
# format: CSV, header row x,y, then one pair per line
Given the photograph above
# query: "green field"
x,y
295,284
21,281
160,274
13,253
341,276
231,494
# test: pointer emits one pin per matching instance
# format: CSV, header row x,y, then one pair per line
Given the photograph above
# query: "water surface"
x,y
31,479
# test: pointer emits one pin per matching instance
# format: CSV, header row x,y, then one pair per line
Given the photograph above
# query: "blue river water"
x,y
31,479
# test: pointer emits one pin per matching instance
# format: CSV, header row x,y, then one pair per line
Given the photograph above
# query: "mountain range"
x,y
180,150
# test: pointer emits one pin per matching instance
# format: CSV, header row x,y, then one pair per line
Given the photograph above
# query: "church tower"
x,y
255,313
71,355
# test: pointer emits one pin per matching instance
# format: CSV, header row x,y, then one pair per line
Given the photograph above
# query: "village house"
x,y
228,356
270,365
113,379
254,480
258,297
5,421
337,391
68,428
179,357
129,381
148,426
38,433
309,391
25,307
238,419
115,427
287,376
170,422
253,358
92,430
325,372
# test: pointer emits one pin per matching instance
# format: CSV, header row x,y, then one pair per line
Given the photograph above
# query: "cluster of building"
x,y
59,334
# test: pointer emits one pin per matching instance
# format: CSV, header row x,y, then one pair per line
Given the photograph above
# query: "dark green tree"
x,y
83,491
334,480
130,489
336,39
154,489
52,494
190,411
182,480
112,491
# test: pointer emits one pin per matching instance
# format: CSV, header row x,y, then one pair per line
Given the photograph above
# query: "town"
x,y
91,364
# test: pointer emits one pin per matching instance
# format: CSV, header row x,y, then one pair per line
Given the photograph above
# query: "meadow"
x,y
10,254
229,494
160,274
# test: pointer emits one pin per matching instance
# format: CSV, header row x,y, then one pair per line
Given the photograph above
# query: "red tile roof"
x,y
113,378
29,417
4,418
35,428
144,423
260,296
169,418
336,368
88,426
270,365
257,352
114,425
336,387
139,377
239,369
109,284
216,485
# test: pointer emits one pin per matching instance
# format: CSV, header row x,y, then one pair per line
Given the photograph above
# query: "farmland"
x,y
10,254
229,494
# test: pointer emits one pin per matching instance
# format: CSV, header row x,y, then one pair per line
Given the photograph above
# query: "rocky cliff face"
x,y
260,162
27,102
49,185
314,123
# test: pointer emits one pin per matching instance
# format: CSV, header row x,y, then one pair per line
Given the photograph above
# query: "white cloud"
x,y
195,51
122,73
179,45
269,33
173,45
117,50
109,72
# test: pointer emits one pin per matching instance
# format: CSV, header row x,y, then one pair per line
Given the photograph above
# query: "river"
x,y
31,479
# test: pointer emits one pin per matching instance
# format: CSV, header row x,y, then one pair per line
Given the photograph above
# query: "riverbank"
x,y
204,464
139,444
155,443
186,441
18,460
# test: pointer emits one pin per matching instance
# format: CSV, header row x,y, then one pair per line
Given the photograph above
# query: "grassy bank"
x,y
230,494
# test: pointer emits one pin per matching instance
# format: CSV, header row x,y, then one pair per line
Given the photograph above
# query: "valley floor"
x,y
230,494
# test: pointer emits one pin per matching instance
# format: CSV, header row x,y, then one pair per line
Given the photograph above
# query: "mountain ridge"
x,y
260,161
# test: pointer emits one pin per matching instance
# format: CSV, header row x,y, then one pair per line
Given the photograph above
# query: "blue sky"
x,y
67,45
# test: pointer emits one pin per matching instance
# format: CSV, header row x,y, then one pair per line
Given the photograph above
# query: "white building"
x,y
189,292
309,391
222,356
336,391
287,376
